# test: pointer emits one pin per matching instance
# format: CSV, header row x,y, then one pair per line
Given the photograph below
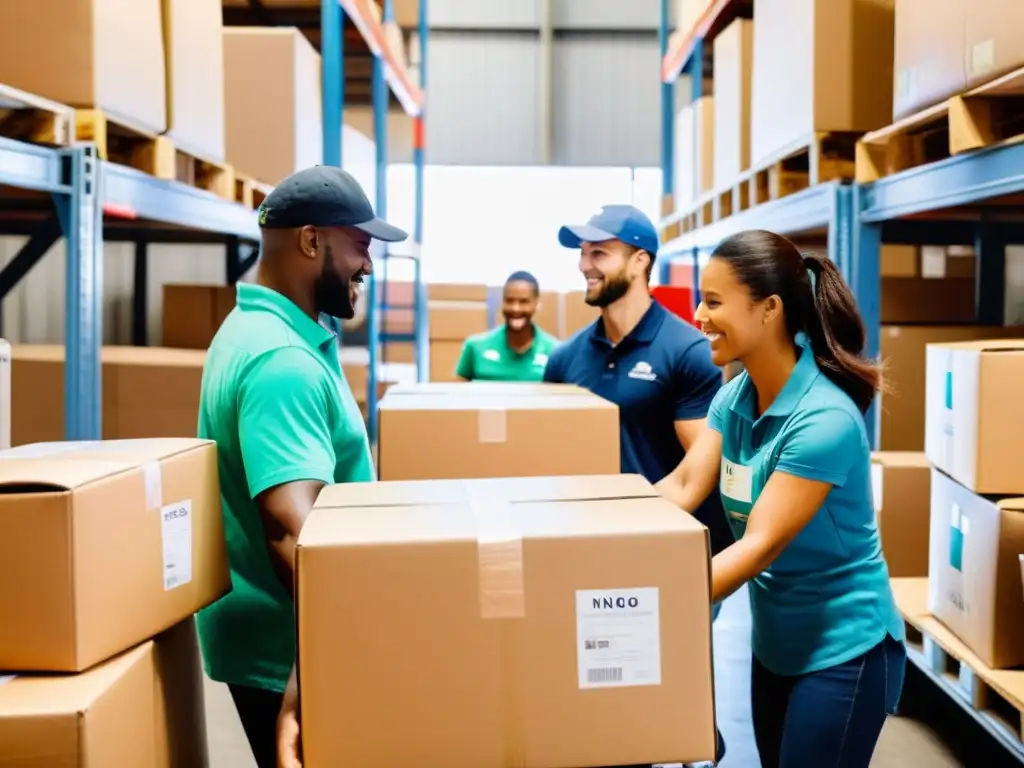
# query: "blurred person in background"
x,y
653,365
517,350
277,404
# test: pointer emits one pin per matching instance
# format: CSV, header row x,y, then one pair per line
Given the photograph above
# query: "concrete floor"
x,y
905,742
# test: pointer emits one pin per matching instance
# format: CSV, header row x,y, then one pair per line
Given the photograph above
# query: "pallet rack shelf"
x,y
70,192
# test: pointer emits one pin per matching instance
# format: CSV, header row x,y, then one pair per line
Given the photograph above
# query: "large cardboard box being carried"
x,y
272,106
974,413
99,54
144,707
105,544
546,622
973,575
901,486
497,434
822,65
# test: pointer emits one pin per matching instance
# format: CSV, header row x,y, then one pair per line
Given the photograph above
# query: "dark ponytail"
x,y
815,299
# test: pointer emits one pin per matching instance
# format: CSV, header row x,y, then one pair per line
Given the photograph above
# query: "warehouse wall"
x,y
486,108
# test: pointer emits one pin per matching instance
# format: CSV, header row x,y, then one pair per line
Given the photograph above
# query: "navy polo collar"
x,y
802,377
644,332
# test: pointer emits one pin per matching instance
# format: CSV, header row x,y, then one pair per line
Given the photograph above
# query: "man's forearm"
x,y
282,557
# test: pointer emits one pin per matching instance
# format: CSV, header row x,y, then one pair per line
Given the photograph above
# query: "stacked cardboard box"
x,y
695,152
109,549
562,620
496,430
456,312
975,444
734,59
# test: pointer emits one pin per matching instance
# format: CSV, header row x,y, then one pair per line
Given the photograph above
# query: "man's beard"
x,y
613,289
332,291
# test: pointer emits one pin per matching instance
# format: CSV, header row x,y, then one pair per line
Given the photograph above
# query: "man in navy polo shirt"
x,y
653,365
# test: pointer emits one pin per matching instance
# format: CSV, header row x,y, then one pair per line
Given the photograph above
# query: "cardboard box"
x,y
106,544
734,56
994,39
5,395
497,436
273,113
533,573
492,388
457,320
928,300
705,138
194,48
929,53
144,707
577,313
974,414
444,357
549,312
77,52
897,261
822,65
901,487
456,292
903,350
193,313
973,580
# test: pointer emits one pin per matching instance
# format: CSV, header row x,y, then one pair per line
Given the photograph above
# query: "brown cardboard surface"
x,y
439,627
974,413
734,56
929,53
577,313
901,486
488,436
903,350
271,81
457,292
899,261
822,65
444,356
457,320
76,52
107,544
484,388
144,707
549,312
194,313
704,138
973,576
928,300
994,39
194,49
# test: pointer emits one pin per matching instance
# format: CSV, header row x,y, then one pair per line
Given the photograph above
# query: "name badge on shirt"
x,y
737,482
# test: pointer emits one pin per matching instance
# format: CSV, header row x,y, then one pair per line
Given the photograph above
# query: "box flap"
x,y
901,459
49,475
34,695
492,388
515,490
984,345
1015,504
473,402
135,451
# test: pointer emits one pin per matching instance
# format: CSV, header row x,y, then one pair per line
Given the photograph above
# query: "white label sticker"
x,y
737,482
4,679
176,533
618,637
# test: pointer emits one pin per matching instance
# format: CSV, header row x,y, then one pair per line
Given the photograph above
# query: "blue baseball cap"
x,y
614,222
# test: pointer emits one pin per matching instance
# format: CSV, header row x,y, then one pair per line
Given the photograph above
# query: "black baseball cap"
x,y
324,196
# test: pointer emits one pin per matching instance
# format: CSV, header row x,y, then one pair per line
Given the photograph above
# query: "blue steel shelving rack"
x,y
94,201
955,201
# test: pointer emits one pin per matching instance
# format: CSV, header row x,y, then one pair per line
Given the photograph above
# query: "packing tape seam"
x,y
153,482
492,425
502,596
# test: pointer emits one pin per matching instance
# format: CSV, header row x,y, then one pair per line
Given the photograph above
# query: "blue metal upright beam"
x,y
419,162
332,80
81,217
865,278
667,110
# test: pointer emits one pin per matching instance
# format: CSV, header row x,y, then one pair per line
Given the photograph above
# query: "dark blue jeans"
x,y
827,719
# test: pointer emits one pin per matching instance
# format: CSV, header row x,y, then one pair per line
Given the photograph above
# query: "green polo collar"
x,y
258,297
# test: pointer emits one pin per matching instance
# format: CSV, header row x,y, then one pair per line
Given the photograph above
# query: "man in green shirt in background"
x,y
515,351
276,402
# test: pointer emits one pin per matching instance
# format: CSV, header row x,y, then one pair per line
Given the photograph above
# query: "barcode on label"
x,y
170,582
605,675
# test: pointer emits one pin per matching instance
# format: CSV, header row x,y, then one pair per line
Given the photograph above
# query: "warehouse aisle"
x,y
905,743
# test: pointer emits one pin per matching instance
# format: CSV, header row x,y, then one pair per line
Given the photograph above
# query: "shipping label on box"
x,y
972,574
973,413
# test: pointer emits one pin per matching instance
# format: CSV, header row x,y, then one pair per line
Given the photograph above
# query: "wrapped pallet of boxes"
x,y
973,439
91,54
194,47
455,312
105,545
143,707
271,81
505,431
574,627
822,66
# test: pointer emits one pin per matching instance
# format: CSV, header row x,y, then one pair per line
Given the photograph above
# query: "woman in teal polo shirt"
x,y
788,448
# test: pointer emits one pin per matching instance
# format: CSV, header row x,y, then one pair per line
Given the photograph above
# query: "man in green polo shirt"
x,y
276,402
518,350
